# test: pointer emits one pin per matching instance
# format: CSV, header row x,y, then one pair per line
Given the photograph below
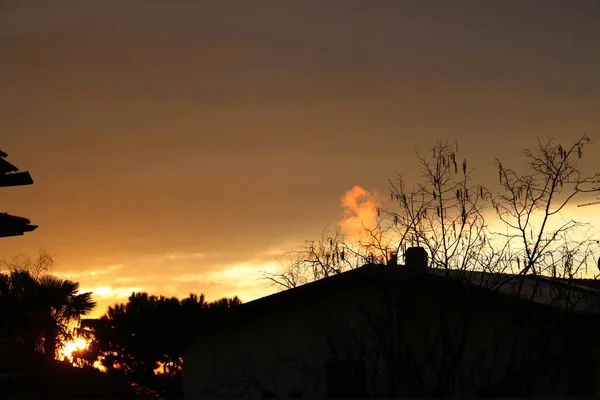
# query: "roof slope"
x,y
541,291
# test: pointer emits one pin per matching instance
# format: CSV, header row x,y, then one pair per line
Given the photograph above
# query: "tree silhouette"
x,y
327,255
443,212
38,311
61,304
530,202
144,338
449,215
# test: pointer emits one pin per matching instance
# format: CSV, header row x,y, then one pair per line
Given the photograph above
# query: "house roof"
x,y
536,291
581,295
368,274
588,283
11,225
10,175
6,167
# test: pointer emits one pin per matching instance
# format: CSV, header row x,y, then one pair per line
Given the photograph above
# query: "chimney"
x,y
416,258
392,258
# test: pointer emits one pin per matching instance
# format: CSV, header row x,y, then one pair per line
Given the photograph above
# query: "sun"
x,y
70,347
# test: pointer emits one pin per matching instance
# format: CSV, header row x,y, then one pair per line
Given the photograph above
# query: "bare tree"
x,y
443,212
37,266
533,208
327,255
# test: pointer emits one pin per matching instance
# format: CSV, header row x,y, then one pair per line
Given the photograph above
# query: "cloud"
x,y
172,256
89,273
178,273
109,291
243,280
238,272
136,278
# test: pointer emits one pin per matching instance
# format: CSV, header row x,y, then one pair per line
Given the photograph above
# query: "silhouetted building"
x,y
10,175
402,331
11,225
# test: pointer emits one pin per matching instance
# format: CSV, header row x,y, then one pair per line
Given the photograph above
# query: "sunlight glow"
x,y
98,365
70,347
160,369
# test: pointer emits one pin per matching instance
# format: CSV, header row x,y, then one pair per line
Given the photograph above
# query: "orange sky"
x,y
177,146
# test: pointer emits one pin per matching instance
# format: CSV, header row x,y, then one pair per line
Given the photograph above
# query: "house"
x,y
11,225
401,331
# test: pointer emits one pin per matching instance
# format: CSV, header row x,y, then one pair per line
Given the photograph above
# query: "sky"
x,y
181,146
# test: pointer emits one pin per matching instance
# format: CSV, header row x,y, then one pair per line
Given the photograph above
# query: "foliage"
x,y
144,339
38,310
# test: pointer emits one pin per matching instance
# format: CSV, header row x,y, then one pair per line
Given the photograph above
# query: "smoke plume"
x,y
359,214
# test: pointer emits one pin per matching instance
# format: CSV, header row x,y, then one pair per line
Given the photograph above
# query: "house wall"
x,y
470,343
280,352
402,336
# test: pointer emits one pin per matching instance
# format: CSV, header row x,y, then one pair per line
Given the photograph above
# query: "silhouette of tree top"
x,y
37,310
144,339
